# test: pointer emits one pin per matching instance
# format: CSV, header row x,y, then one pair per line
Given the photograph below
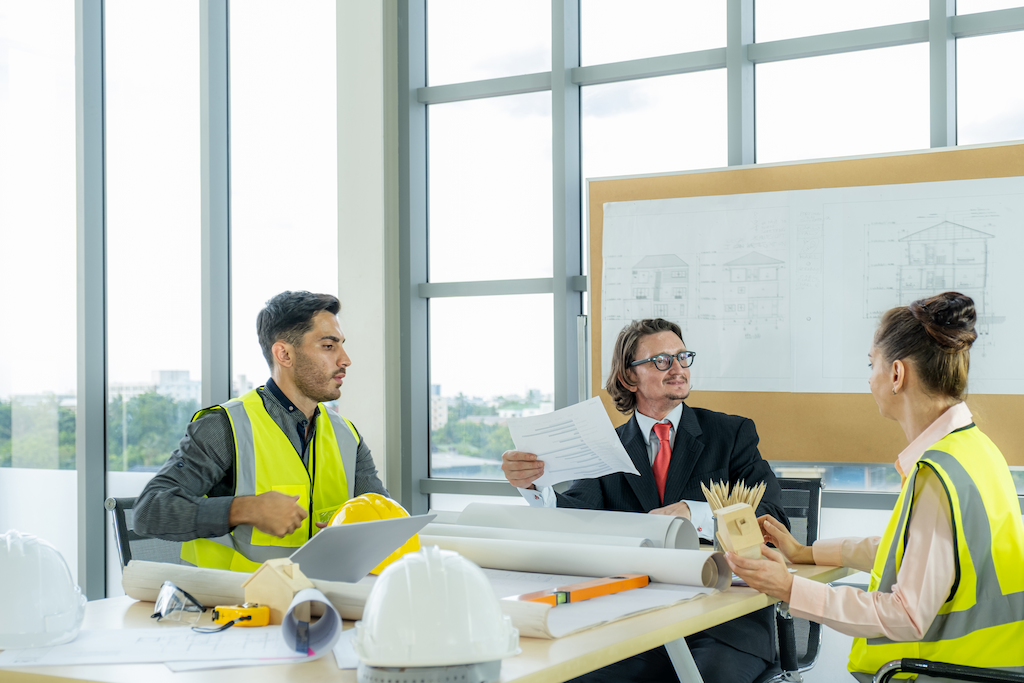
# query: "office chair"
x,y
131,545
799,639
956,672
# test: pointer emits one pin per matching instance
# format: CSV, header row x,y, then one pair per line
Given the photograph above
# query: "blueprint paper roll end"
x,y
720,573
682,535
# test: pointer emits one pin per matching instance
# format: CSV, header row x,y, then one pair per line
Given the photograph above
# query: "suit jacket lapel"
x,y
686,451
643,486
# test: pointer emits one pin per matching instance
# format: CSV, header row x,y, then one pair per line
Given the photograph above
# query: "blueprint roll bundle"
x,y
663,565
568,525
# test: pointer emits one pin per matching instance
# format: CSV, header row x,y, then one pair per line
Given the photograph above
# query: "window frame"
x,y
739,57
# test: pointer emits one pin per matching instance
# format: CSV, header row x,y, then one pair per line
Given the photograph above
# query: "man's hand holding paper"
x,y
577,442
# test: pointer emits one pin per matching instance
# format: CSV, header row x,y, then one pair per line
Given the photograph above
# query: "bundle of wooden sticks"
x,y
719,495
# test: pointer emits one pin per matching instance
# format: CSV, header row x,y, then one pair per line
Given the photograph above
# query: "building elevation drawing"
x,y
782,291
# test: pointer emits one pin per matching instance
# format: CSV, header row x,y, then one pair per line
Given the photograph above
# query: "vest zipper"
x,y
312,476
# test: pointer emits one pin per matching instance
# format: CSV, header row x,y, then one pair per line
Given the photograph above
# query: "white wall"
x,y
367,241
44,503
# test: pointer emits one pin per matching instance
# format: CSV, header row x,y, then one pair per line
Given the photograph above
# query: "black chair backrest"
x,y
131,545
801,499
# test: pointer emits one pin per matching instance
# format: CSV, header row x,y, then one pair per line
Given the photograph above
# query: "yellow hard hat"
x,y
372,506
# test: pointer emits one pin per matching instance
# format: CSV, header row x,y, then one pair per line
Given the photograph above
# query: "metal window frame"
x,y
739,58
215,160
91,296
91,283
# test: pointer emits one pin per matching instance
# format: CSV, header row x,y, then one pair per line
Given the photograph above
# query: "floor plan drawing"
x,y
753,289
782,291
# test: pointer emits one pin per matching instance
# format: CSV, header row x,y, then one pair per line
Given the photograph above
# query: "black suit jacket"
x,y
709,446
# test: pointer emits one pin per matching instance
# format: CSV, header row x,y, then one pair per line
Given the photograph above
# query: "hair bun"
x,y
949,319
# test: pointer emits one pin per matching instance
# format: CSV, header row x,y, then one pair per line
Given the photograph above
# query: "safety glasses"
x,y
176,605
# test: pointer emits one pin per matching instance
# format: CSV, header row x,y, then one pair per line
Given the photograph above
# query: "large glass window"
x,y
469,40
153,234
990,103
284,170
490,189
614,31
491,358
38,373
653,126
781,19
971,6
841,105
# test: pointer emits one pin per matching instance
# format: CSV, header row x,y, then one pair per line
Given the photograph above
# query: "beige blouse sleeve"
x,y
922,585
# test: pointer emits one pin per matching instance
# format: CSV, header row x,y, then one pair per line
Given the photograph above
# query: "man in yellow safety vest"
x,y
255,478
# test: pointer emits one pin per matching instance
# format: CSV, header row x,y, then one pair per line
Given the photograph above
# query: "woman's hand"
x,y
768,575
776,533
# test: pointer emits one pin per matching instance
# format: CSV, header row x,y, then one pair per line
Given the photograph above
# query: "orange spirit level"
x,y
585,590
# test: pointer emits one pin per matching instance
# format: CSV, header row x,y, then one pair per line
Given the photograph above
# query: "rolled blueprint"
x,y
664,531
663,565
323,633
500,533
142,580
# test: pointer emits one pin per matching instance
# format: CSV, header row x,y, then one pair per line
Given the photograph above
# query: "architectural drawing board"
x,y
777,275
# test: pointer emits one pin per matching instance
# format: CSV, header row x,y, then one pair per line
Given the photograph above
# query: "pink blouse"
x,y
927,570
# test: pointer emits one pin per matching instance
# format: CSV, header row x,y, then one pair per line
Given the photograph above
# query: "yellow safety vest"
x,y
265,460
982,621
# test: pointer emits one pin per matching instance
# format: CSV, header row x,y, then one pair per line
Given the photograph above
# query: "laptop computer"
x,y
349,551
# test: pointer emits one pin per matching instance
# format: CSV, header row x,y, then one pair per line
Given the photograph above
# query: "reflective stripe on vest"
x,y
331,471
982,621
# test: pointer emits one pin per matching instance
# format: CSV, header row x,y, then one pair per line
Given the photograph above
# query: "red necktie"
x,y
661,461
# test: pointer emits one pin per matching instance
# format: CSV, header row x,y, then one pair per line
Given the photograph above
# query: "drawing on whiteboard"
x,y
782,291
753,290
660,287
946,256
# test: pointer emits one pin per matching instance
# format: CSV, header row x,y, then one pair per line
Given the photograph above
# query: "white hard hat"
x,y
42,605
433,608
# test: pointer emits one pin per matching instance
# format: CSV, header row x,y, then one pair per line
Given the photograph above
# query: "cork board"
x,y
818,427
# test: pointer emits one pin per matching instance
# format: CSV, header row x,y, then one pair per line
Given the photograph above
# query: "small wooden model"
x,y
275,584
738,530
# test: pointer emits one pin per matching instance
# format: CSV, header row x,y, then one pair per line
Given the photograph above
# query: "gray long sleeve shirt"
x,y
173,506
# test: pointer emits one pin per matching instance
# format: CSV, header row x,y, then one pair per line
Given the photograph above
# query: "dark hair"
x,y
289,316
623,354
935,334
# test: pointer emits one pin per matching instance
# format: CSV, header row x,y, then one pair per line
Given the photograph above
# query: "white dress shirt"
x,y
700,511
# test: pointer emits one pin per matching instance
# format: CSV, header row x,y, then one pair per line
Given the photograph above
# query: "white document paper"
x,y
577,442
155,645
345,652
185,650
573,617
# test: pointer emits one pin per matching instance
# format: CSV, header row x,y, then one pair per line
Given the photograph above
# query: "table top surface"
x,y
541,661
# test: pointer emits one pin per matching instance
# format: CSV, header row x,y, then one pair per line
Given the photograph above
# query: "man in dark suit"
x,y
674,448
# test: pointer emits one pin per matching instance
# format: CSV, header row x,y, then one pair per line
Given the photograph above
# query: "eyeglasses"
x,y
663,361
177,605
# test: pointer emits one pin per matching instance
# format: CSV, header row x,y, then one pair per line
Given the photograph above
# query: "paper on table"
x,y
577,442
541,621
344,652
602,526
162,643
323,634
188,650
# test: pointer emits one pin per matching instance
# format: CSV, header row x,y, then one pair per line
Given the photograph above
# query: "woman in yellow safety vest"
x,y
946,583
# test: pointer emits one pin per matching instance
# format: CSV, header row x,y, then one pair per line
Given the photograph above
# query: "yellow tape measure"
x,y
248,614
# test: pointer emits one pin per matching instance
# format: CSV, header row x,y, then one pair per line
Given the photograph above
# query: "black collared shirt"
x,y
301,423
